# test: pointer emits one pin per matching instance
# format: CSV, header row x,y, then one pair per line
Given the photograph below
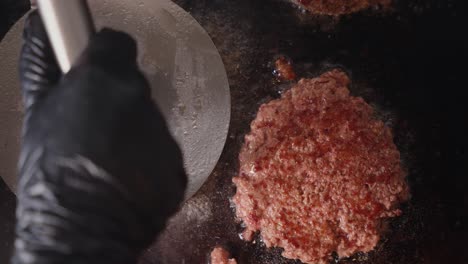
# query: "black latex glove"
x,y
99,173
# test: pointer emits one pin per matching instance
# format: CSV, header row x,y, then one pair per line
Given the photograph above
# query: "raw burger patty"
x,y
318,172
339,7
221,256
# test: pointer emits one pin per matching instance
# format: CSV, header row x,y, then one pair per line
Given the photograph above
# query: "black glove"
x,y
99,173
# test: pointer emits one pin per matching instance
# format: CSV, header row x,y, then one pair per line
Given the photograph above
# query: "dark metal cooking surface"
x,y
410,63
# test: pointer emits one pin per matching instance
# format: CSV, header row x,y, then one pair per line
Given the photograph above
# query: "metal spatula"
x,y
183,66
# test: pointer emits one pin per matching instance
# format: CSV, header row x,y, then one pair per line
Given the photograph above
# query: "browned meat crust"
x,y
284,69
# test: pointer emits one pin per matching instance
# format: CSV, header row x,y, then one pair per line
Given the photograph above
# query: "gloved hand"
x,y
99,173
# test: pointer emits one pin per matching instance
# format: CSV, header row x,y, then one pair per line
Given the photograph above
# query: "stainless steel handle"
x,y
69,26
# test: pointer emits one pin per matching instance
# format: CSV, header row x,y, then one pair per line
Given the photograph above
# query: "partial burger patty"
x,y
318,172
220,256
339,7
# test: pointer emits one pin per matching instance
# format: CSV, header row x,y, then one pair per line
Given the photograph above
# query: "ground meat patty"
x,y
339,7
221,256
318,172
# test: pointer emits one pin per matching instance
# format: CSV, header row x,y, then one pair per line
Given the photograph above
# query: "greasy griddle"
x,y
398,61
410,63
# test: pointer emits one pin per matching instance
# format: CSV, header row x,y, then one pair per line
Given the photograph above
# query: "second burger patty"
x,y
318,173
339,7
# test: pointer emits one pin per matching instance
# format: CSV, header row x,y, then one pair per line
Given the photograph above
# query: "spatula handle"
x,y
69,26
